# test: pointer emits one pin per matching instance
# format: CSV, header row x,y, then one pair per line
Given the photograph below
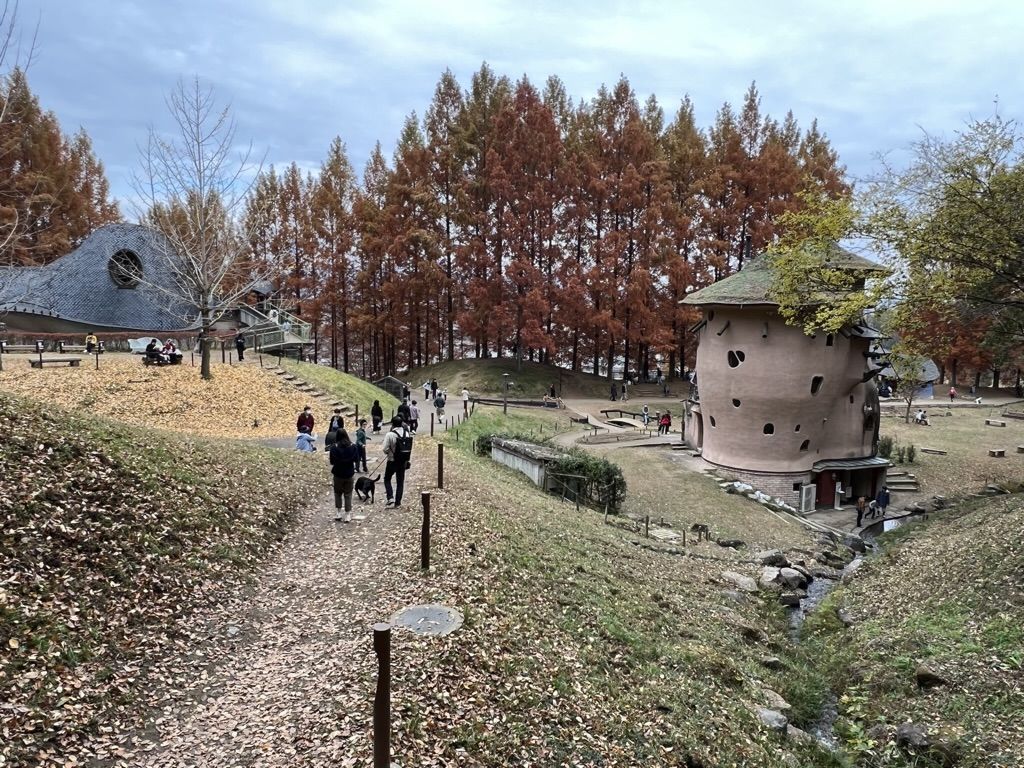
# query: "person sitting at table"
x,y
171,353
153,352
91,343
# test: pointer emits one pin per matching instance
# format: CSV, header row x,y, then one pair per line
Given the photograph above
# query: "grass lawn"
x,y
967,466
634,656
346,388
484,378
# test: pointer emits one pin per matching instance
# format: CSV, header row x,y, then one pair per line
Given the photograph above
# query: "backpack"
x,y
403,448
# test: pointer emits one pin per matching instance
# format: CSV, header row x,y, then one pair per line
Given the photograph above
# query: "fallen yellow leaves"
x,y
171,397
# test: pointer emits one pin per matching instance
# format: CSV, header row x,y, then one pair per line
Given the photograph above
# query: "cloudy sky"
x,y
299,72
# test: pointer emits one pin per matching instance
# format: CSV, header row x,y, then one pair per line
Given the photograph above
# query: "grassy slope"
x,y
348,389
633,656
111,537
484,378
946,593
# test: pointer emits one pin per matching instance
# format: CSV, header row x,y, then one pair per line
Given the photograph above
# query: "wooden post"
x,y
382,700
425,532
684,538
431,425
222,351
97,357
440,465
647,526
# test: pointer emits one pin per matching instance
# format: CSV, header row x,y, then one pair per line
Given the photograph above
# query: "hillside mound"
x,y
936,640
342,386
485,377
111,537
171,397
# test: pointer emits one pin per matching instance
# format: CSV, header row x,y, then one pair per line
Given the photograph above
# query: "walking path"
x,y
289,664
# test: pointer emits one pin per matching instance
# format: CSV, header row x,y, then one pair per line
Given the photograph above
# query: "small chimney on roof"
x,y
747,240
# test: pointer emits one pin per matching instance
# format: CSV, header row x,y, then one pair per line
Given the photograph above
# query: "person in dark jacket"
x,y
377,414
344,456
404,411
882,500
305,420
240,346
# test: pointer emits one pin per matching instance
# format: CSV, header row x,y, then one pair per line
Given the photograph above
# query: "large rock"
x,y
731,543
824,572
912,735
929,678
770,578
851,569
775,701
854,542
740,581
792,578
771,662
771,557
792,599
800,737
772,719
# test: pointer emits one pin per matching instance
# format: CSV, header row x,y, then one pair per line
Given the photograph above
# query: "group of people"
x,y
167,354
873,508
663,420
348,456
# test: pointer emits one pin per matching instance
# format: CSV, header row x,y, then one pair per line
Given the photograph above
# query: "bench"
x,y
7,349
78,349
994,423
73,362
934,451
997,453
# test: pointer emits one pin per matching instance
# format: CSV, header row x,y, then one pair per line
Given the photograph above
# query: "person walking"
x,y
305,420
414,417
377,414
344,456
615,392
426,391
361,439
439,405
465,401
861,504
645,415
240,346
625,390
952,394
433,388
337,421
405,392
882,499
405,412
397,449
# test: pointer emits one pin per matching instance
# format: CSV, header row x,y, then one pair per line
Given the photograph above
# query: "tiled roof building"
x,y
109,283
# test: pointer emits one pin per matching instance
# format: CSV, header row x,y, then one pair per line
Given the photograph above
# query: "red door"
x,y
826,489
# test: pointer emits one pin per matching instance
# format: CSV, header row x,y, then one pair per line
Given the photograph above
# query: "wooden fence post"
x,y
382,700
425,532
440,465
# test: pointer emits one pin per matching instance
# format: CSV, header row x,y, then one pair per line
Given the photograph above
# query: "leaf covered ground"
x,y
945,593
169,397
112,538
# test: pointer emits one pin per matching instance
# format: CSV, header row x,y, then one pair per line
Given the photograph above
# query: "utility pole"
x,y
504,394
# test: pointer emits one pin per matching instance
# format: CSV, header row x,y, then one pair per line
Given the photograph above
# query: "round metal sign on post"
x,y
432,619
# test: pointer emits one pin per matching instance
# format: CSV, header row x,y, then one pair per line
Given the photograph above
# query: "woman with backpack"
x,y
344,456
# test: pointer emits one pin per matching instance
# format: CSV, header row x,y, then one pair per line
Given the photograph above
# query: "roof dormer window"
x,y
125,269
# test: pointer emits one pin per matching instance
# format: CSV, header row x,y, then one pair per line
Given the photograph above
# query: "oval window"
x,y
769,429
736,403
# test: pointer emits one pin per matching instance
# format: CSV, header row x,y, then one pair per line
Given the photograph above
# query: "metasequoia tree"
x,y
195,184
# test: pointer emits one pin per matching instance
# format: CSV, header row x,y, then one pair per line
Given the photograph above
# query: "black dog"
x,y
364,488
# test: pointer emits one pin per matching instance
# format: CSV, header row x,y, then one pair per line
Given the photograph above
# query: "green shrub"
x,y
603,479
911,453
900,453
885,446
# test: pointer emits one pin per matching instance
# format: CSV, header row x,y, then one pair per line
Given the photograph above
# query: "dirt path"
x,y
289,670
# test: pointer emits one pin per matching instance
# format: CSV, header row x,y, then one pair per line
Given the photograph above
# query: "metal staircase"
x,y
274,330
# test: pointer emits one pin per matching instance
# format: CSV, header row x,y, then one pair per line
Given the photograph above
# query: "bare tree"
x,y
192,187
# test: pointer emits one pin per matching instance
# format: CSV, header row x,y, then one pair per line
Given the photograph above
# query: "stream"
x,y
824,728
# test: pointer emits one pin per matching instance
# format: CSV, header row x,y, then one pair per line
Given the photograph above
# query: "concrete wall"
x,y
754,370
532,468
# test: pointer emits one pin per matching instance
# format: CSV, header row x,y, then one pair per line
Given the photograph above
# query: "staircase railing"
x,y
275,320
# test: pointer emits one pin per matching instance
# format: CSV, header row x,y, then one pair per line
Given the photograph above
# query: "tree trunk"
x,y
995,378
953,372
204,353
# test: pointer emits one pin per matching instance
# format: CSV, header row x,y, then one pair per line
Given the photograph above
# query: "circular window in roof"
x,y
125,269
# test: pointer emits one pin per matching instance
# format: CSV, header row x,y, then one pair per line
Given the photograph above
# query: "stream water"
x,y
824,728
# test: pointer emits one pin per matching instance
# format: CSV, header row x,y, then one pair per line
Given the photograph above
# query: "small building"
x,y
792,414
529,458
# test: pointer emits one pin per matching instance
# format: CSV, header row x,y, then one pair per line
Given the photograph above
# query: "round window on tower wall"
x,y
712,420
736,403
769,429
125,269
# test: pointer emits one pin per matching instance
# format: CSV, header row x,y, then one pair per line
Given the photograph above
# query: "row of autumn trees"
x,y
512,220
53,190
